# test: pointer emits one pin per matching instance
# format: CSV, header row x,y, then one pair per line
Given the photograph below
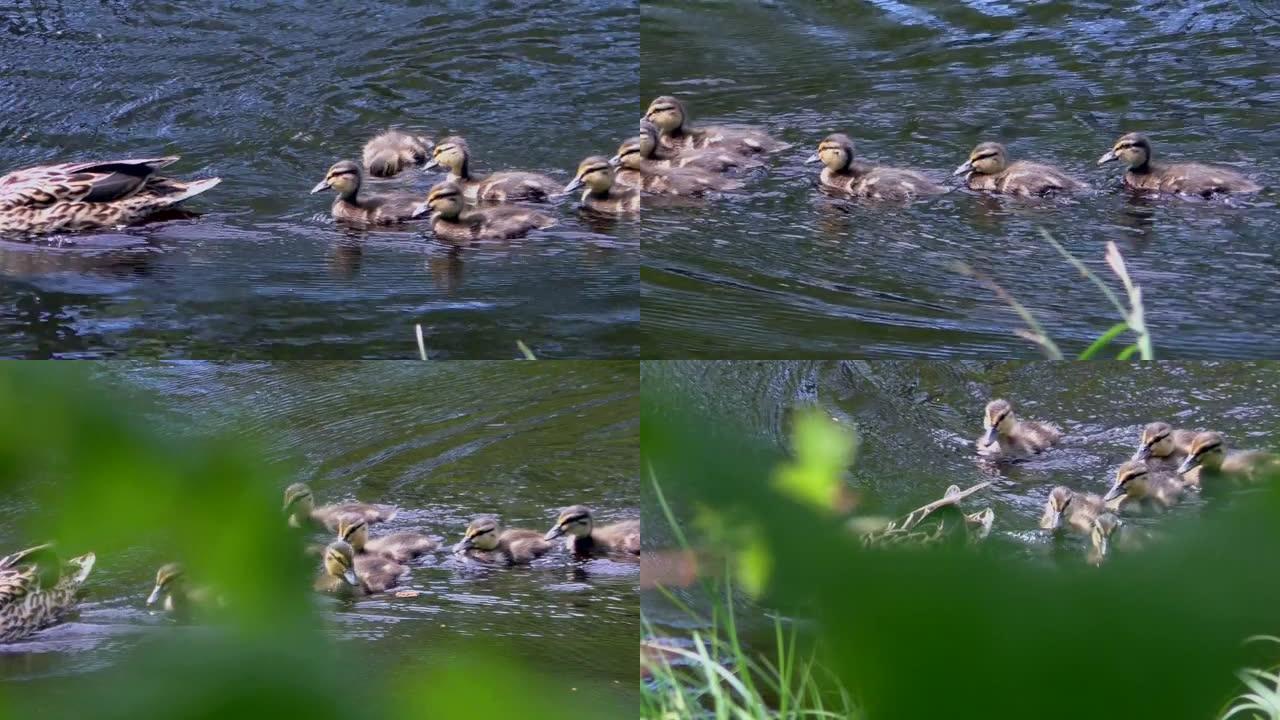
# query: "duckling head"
x,y
835,151
667,114
1131,481
169,579
1132,149
482,534
453,155
998,420
340,562
354,532
1207,450
987,158
298,503
1059,500
444,199
344,176
1156,441
595,173
574,520
630,154
1101,530
648,138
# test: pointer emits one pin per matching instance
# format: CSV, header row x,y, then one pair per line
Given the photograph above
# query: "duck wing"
x,y
92,182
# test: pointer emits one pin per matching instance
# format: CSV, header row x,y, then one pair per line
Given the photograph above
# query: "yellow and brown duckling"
x,y
635,172
370,208
451,220
72,197
714,159
841,173
1208,458
393,151
668,115
300,506
1162,446
1137,485
453,154
346,573
1008,436
1143,173
400,547
583,537
1073,510
601,193
37,589
988,168
1101,531
485,540
176,596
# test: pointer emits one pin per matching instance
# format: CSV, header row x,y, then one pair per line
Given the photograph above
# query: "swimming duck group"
x,y
38,589
1167,464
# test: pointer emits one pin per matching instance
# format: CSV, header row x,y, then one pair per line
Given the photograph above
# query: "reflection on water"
x,y
781,270
267,96
443,442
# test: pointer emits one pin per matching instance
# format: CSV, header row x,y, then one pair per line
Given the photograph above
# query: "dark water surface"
x,y
917,422
267,96
443,442
780,270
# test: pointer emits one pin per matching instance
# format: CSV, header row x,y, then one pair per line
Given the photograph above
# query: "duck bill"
x,y
320,187
1108,157
462,546
1115,492
1055,522
1103,546
350,577
154,596
965,168
421,210
616,160
577,183
989,436
812,159
431,164
1188,465
1143,454
554,533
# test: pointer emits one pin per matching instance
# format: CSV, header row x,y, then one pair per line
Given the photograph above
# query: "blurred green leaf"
x,y
823,451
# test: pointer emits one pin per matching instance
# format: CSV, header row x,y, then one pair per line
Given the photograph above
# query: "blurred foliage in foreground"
x,y
947,633
99,478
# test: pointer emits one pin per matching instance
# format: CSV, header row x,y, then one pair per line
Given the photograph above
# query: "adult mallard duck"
x,y
392,151
1134,150
451,220
939,522
988,168
1138,486
454,155
1007,436
83,196
300,505
668,115
841,173
1162,446
369,208
601,194
37,590
400,547
344,573
486,541
634,171
1208,458
583,537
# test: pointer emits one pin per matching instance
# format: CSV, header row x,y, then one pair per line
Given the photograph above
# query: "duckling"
x,y
1101,530
1138,485
987,169
452,221
597,175
1007,436
1134,150
400,547
843,174
299,503
1161,445
712,159
634,171
180,600
391,151
584,538
73,197
1208,457
454,155
370,208
344,573
37,589
1079,510
486,541
669,116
